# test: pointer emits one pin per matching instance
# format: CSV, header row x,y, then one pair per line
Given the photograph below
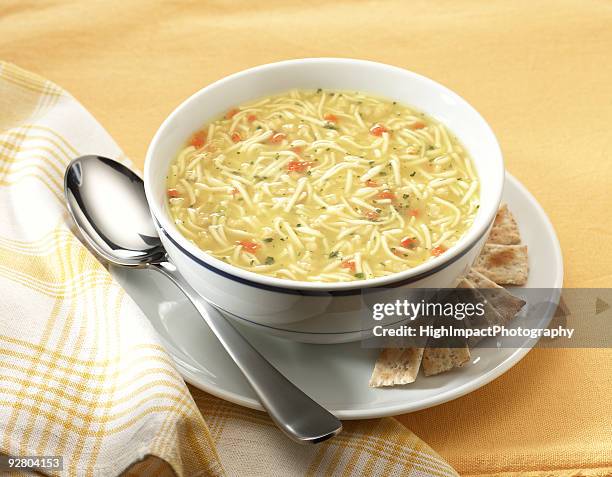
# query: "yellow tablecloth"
x,y
538,71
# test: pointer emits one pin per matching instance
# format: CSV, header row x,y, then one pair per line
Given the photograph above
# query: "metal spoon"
x,y
108,204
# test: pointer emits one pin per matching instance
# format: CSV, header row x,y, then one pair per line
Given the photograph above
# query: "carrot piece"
x,y
236,137
413,212
231,113
408,243
331,118
385,194
417,125
249,246
437,251
371,183
297,149
298,166
371,215
348,264
198,139
251,118
172,193
277,138
378,129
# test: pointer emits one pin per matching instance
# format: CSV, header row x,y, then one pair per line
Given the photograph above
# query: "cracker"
x,y
439,360
504,264
504,302
490,316
396,366
505,230
479,280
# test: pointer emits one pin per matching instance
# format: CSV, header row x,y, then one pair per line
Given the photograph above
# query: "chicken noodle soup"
x,y
323,186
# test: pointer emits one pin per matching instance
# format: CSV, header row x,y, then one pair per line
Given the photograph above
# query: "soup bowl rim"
x,y
468,241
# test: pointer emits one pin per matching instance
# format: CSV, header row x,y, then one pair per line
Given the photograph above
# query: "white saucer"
x,y
336,375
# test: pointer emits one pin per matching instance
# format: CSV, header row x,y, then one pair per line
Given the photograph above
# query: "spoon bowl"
x,y
108,204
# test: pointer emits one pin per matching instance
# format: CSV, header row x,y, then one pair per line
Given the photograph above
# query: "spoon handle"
x,y
296,414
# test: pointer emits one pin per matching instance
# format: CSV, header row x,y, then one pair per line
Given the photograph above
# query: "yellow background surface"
x,y
539,72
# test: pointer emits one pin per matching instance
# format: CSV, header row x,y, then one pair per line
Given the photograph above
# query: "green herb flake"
x,y
334,254
360,276
269,261
268,240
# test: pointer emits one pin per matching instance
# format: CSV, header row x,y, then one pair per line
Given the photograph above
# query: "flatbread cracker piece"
x,y
480,281
439,360
505,230
504,302
490,317
504,264
396,366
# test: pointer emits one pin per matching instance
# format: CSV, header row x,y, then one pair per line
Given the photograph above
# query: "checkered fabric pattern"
x,y
82,373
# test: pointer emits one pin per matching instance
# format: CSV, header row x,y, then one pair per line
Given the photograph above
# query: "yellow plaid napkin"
x,y
82,373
